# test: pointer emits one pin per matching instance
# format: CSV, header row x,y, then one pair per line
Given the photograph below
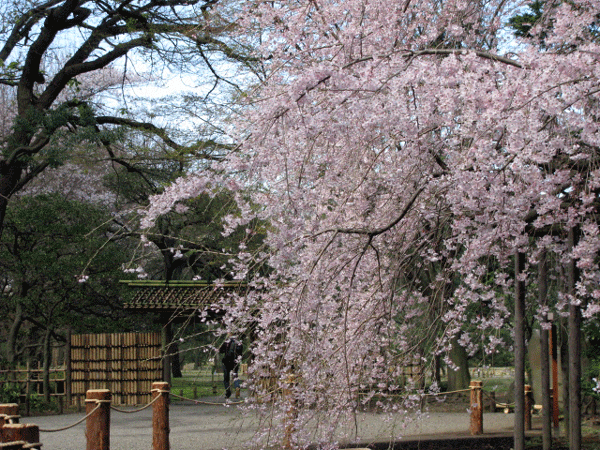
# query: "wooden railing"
x,y
29,382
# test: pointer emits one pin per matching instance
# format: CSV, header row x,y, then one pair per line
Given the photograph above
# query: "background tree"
x,y
47,243
56,103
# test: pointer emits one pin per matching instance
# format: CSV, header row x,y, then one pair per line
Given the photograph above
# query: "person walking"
x,y
232,351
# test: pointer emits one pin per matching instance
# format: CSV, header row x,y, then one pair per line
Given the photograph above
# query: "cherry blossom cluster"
x,y
402,155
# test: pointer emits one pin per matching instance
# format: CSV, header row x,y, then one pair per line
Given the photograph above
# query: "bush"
x,y
9,393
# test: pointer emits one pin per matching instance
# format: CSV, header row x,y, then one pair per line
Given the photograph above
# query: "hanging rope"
x,y
201,402
128,411
99,402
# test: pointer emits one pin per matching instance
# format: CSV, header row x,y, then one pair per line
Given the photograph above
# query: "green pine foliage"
x,y
523,23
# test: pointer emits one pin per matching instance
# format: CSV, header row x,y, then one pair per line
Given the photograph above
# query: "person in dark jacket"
x,y
232,351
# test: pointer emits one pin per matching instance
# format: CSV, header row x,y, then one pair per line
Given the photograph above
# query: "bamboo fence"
x,y
124,363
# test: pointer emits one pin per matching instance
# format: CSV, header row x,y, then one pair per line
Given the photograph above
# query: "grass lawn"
x,y
198,383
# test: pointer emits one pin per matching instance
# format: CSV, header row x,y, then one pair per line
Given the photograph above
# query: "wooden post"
x,y
160,416
28,388
97,429
528,406
492,401
3,422
11,412
25,432
476,407
212,379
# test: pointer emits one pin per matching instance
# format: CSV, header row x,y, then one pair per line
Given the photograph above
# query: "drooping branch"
x,y
452,51
162,134
377,231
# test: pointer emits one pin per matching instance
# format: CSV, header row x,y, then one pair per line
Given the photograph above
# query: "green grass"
x,y
199,382
499,385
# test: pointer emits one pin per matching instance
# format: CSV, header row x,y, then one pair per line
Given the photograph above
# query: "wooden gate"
x,y
125,363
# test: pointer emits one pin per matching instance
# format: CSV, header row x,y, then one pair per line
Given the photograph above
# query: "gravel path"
x,y
216,427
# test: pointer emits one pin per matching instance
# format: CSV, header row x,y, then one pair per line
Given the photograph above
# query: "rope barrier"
x,y
433,394
505,405
201,402
126,411
79,421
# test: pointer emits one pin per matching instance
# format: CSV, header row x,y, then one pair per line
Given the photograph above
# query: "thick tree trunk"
x,y
13,332
10,175
436,372
545,357
175,360
574,323
458,379
519,427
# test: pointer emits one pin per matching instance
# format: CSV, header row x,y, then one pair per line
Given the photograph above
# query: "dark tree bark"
x,y
13,332
47,362
458,379
175,360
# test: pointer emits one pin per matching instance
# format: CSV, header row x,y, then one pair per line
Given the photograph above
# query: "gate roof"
x,y
178,297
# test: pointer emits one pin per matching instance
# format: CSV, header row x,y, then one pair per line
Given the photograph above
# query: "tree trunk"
x,y
175,360
9,177
166,339
13,332
519,427
545,357
436,373
47,355
574,323
460,378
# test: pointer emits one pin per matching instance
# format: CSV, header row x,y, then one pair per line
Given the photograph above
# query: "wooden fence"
x,y
29,379
124,363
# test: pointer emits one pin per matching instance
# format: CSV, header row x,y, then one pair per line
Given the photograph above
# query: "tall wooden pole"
x,y
545,356
97,430
555,391
519,426
160,416
574,329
